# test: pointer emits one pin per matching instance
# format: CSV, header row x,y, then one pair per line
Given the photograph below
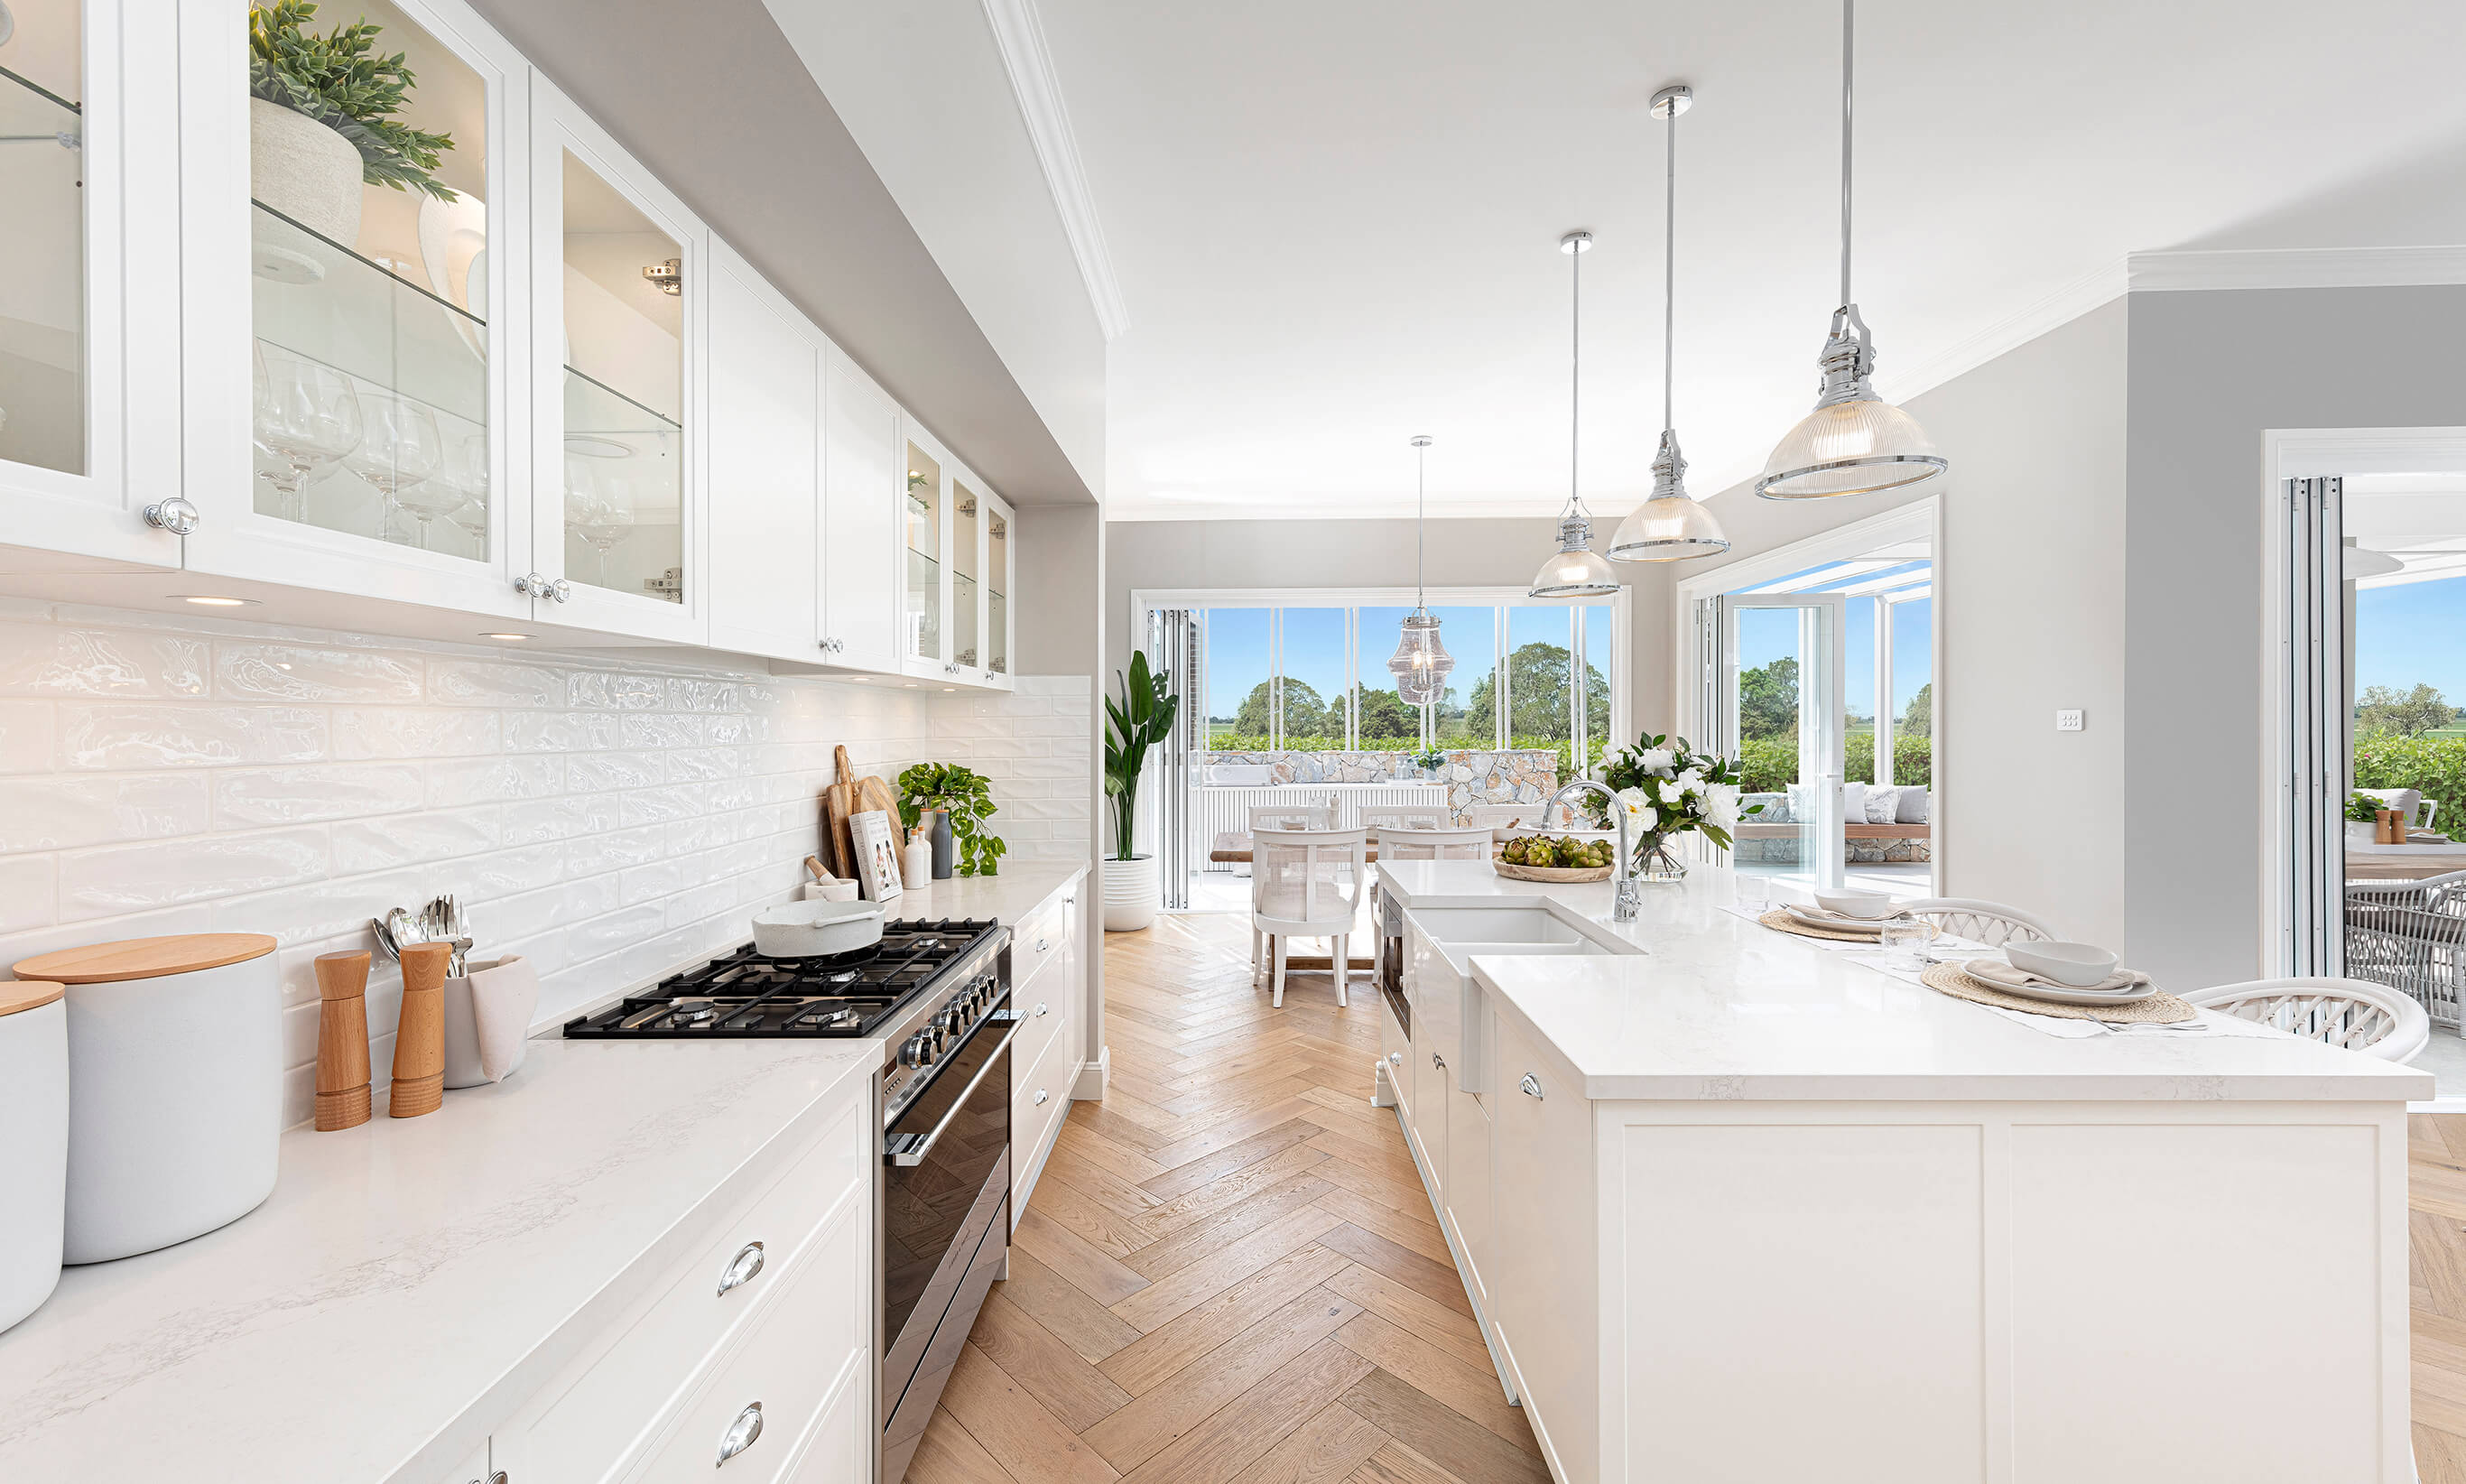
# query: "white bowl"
x,y
1868,905
2076,964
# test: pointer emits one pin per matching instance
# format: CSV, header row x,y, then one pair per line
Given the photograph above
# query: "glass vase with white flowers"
x,y
1668,788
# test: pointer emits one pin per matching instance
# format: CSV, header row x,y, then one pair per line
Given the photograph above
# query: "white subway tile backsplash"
x,y
610,816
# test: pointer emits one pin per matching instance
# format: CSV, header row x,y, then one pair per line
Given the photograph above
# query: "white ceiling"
x,y
1336,226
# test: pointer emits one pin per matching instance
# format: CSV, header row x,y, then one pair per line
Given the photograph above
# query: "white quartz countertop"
x,y
410,1283
1716,1007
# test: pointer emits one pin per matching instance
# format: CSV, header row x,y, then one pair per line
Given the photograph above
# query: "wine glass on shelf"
x,y
608,520
446,489
306,418
469,471
399,448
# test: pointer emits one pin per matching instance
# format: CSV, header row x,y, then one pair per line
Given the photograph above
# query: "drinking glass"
x,y
307,417
1901,938
469,472
400,446
1755,895
450,488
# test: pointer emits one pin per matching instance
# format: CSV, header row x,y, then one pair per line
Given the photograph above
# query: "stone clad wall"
x,y
1517,776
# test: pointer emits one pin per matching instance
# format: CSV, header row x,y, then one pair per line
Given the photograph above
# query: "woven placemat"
x,y
2159,1009
1784,922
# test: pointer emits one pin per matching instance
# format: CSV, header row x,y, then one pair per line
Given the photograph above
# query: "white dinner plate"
x,y
1818,917
2122,987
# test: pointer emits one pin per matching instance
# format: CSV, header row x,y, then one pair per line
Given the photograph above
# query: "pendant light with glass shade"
x,y
1854,443
1671,526
1420,662
1575,570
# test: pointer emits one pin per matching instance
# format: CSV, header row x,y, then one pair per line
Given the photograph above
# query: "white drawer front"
x,y
605,1406
782,1371
837,1448
1039,1097
1037,937
1042,1015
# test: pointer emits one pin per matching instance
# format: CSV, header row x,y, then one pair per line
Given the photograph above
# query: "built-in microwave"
x,y
1390,918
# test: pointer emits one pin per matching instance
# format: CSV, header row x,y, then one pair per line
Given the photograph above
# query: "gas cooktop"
x,y
747,993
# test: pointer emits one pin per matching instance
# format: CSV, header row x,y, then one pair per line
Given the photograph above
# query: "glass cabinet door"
x,y
967,565
43,389
921,598
997,580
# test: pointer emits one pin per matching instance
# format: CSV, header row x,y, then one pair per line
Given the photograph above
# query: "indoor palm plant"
x,y
325,115
1138,721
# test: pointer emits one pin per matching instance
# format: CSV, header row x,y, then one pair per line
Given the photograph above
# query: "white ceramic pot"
x,y
1133,891
304,171
2361,832
34,1149
175,1088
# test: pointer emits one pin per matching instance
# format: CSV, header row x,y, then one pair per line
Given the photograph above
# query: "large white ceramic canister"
x,y
33,1143
175,1087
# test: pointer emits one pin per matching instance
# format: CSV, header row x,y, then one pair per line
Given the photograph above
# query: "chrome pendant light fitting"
x,y
1420,662
1575,570
1671,526
1854,443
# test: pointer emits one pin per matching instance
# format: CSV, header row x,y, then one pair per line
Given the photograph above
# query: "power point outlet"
x,y
2068,721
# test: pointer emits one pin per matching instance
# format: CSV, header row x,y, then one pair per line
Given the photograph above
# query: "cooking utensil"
x,y
175,1087
419,1037
814,864
343,1100
807,930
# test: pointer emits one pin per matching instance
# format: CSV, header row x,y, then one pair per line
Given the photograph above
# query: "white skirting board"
x,y
1089,1086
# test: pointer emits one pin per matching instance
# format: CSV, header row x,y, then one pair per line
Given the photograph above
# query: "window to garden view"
x,y
2409,670
1316,679
1889,664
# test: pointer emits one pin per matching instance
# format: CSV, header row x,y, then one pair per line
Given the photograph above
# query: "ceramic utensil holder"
x,y
419,1037
175,1088
34,1150
343,1100
487,1019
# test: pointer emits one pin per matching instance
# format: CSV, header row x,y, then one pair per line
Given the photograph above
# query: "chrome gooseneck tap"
x,y
1630,896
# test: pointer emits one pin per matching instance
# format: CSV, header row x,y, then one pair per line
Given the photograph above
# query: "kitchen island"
x,y
1735,1206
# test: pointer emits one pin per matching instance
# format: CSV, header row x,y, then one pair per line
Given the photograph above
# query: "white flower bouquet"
x,y
1668,789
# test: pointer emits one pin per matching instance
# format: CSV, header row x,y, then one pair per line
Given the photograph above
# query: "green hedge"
x,y
1770,764
2435,765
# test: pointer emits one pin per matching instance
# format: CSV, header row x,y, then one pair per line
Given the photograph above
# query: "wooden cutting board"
x,y
871,793
838,802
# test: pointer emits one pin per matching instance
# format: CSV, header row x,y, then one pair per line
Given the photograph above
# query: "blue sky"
x,y
1766,635
2413,631
1237,640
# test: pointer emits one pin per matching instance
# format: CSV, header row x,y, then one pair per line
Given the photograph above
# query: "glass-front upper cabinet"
x,y
998,581
967,563
921,596
620,263
89,432
348,313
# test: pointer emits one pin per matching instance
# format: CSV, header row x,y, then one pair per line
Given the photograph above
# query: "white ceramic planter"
x,y
2360,832
35,1148
304,171
1133,890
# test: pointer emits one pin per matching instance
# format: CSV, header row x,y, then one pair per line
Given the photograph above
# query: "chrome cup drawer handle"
x,y
742,1432
741,1268
1395,1058
1041,944
1042,1008
1042,1096
1531,1086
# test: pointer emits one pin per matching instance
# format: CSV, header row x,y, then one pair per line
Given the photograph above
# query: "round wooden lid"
x,y
144,958
27,994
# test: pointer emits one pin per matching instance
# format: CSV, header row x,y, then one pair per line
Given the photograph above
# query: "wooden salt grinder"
x,y
342,1041
419,1037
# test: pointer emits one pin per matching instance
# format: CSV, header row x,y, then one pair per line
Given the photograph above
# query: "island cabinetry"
x,y
1545,1280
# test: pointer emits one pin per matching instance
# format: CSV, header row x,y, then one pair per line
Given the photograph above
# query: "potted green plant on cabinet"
x,y
323,119
960,799
1138,721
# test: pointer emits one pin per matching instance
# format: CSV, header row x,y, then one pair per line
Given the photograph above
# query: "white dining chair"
x,y
2360,1016
1307,884
1380,816
1301,813
1992,923
1470,844
1504,817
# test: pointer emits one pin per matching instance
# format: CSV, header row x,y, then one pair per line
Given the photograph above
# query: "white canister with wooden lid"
x,y
34,1144
175,1087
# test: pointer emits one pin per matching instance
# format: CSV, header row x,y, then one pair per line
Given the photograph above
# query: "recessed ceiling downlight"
x,y
511,639
216,600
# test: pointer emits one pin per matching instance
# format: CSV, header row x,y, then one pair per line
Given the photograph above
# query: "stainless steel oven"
x,y
1389,919
945,1209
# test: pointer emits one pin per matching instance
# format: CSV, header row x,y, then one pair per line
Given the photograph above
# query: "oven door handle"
x,y
899,1152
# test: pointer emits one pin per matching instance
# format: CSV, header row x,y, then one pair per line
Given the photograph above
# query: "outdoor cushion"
x,y
1883,805
1915,806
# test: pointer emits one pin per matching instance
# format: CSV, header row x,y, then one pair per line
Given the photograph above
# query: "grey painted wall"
x,y
2031,600
2210,372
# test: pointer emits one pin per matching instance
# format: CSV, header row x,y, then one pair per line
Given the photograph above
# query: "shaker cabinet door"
x,y
861,499
764,469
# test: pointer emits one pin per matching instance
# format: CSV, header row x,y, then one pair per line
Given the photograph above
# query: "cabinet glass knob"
x,y
1040,945
741,1268
1042,1008
1395,1058
1041,1094
177,515
741,1432
1531,1084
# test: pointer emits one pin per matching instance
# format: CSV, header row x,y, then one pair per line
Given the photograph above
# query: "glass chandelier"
x,y
1670,527
1421,664
1854,443
1575,570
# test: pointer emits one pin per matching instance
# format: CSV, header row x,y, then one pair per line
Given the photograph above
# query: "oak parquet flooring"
x,y
2437,1264
1202,1242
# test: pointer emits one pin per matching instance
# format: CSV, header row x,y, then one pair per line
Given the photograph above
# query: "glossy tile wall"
x,y
609,818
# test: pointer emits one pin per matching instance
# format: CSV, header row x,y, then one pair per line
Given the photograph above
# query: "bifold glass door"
x,y
1777,693
1177,640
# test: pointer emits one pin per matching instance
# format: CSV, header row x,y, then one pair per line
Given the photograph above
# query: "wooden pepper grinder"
x,y
420,1038
342,1041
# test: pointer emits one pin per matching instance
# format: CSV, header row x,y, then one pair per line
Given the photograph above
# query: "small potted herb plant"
x,y
323,115
1430,760
953,802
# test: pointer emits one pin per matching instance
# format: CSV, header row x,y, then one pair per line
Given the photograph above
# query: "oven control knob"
x,y
914,1052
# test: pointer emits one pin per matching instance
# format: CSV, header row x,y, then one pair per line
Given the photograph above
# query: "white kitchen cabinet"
x,y
862,482
952,625
1545,1291
764,466
89,369
621,283
837,1448
353,411
472,1469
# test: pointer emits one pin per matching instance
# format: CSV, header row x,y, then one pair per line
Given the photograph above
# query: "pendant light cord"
x,y
1575,373
1421,522
1849,51
1670,273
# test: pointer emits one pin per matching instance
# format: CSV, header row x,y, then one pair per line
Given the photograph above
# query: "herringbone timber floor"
x,y
2436,1268
1228,1272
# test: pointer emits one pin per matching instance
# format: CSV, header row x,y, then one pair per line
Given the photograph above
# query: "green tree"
x,y
1768,701
1305,714
1918,718
2407,714
1384,717
1537,681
